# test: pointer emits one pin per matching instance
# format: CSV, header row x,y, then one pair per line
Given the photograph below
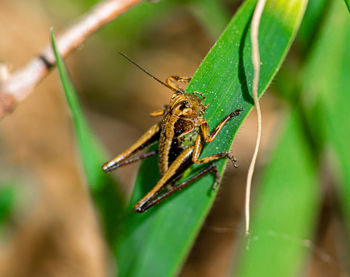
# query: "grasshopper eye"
x,y
187,112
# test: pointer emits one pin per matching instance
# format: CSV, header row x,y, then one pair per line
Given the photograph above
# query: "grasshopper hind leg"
x,y
154,201
148,138
129,161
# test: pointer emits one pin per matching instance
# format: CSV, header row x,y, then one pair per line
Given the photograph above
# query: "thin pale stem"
x,y
256,64
19,85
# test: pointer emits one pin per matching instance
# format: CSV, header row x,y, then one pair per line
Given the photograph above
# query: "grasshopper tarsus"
x,y
232,159
217,178
235,113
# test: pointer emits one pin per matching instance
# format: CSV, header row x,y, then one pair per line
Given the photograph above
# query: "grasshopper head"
x,y
187,105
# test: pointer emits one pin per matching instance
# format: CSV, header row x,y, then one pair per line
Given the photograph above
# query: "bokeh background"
x,y
49,225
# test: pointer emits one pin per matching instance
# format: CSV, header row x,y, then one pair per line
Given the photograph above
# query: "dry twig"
x,y
256,64
17,86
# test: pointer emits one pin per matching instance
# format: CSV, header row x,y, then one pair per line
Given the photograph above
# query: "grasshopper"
x,y
182,133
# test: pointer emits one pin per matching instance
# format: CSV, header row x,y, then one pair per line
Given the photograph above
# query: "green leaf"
x,y
104,190
285,209
156,242
309,28
211,15
328,84
8,193
347,2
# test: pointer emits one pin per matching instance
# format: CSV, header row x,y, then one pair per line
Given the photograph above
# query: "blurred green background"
x,y
52,225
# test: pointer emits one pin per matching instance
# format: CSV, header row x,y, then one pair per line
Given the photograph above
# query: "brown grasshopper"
x,y
181,133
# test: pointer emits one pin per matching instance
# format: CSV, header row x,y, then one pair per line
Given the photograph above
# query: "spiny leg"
x,y
167,178
146,139
171,81
216,157
208,137
205,130
133,160
210,169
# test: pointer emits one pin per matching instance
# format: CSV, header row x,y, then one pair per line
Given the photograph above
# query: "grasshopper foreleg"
x,y
171,81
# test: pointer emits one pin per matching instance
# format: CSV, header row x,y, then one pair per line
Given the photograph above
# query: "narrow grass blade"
x,y
104,190
8,194
285,210
156,243
211,15
309,28
327,81
347,3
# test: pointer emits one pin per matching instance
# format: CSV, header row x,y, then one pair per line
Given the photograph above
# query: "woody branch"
x,y
17,86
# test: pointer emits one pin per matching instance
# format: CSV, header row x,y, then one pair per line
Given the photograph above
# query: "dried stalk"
x,y
17,86
256,64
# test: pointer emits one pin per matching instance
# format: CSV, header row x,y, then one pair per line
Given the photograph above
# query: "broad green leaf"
x,y
156,243
104,189
327,81
285,209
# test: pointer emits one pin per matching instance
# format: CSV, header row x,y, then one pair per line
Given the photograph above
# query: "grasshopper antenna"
x,y
149,74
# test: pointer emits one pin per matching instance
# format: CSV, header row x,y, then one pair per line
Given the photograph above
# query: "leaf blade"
x,y
104,190
347,3
331,93
225,77
285,211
